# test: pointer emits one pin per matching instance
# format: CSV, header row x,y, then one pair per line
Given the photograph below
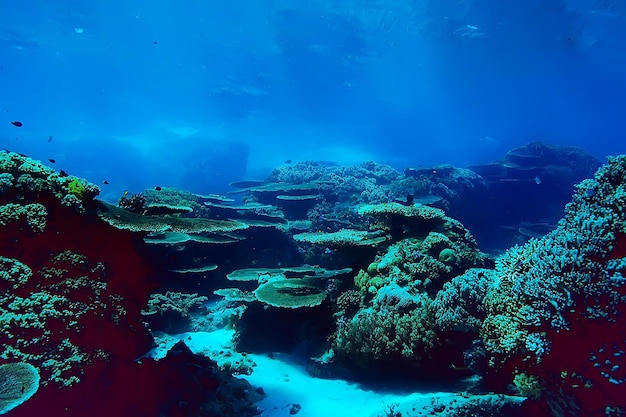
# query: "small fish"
x,y
125,193
17,123
157,188
537,180
49,139
105,182
288,161
52,161
63,173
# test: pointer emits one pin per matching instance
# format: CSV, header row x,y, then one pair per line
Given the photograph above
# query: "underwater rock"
x,y
529,185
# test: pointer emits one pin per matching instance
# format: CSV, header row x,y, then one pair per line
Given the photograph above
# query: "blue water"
x,y
196,94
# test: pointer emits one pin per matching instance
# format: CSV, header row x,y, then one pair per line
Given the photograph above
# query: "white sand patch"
x,y
290,388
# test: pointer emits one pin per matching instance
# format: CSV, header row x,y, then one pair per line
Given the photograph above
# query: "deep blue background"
x,y
197,93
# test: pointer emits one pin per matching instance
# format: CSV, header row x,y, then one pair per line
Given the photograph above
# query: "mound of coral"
x,y
394,324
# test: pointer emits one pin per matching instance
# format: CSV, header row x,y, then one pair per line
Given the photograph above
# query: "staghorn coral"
x,y
173,302
135,203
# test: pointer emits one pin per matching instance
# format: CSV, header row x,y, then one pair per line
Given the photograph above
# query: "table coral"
x,y
20,381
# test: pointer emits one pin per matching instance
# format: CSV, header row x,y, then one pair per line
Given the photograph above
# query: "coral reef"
x,y
341,238
288,287
544,320
393,335
173,197
556,306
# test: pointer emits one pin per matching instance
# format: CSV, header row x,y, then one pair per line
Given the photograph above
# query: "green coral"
x,y
77,188
448,256
529,386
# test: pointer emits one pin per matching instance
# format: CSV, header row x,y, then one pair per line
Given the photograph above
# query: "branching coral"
x,y
388,336
177,302
135,203
458,305
558,300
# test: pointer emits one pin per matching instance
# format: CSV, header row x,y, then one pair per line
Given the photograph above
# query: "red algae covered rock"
x,y
72,288
556,310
